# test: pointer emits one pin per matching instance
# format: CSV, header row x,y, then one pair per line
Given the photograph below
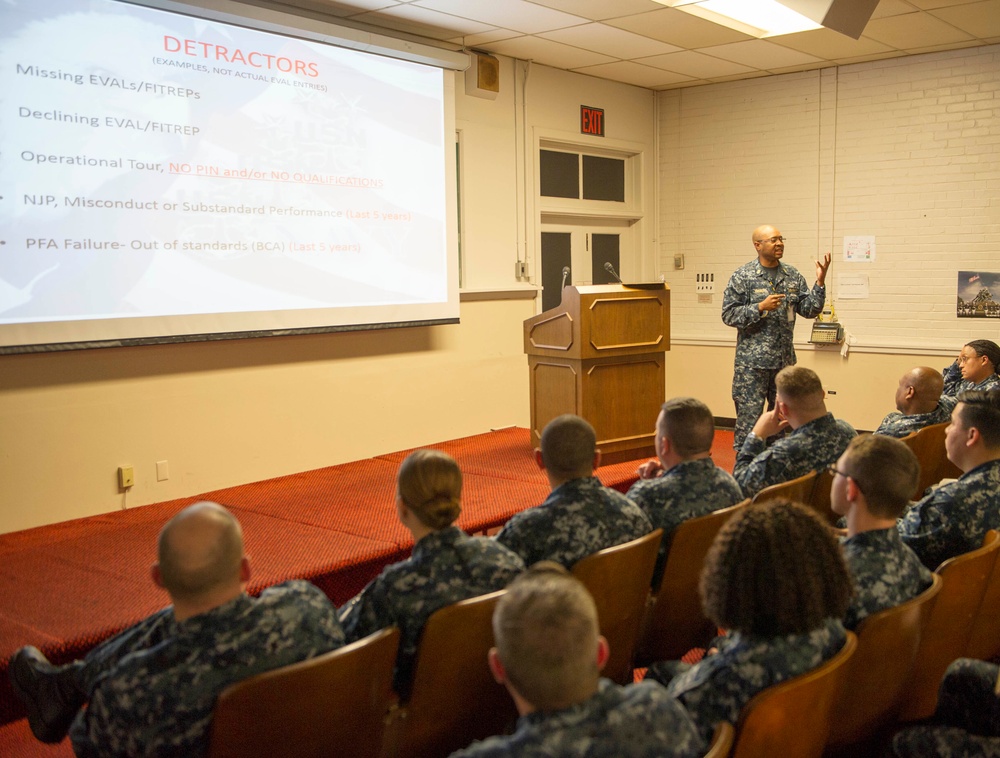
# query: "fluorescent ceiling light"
x,y
758,18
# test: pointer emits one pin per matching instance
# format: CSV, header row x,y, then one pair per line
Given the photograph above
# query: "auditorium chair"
x,y
675,622
618,579
334,704
454,699
963,584
984,641
799,489
819,499
793,718
928,445
877,674
722,741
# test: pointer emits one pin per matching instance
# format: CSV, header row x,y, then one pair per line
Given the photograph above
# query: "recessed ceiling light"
x,y
758,18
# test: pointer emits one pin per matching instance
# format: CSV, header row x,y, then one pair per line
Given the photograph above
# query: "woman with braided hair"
x,y
446,565
775,578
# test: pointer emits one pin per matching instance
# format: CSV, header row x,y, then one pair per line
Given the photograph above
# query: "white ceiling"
x,y
643,43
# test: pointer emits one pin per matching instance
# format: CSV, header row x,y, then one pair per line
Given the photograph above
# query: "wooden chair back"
x,y
880,669
984,641
618,579
819,500
793,718
675,622
454,699
799,489
722,741
334,704
963,584
928,445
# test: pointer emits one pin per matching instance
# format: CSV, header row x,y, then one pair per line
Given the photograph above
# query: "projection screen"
x,y
168,177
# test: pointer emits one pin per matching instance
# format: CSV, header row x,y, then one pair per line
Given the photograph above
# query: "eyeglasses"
x,y
772,240
832,470
967,358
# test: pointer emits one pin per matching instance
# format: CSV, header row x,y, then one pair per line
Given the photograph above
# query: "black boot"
x,y
51,694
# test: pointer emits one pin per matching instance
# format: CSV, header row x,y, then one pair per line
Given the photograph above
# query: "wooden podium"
x,y
600,355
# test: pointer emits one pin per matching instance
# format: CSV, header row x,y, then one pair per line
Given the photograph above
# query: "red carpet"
x,y
66,587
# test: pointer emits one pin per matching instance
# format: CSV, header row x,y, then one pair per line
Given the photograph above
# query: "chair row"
x,y
343,702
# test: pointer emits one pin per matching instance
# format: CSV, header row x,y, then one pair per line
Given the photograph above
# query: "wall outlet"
x,y
162,471
704,284
126,477
521,269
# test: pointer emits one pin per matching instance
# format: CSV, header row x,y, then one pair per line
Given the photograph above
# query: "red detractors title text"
x,y
254,58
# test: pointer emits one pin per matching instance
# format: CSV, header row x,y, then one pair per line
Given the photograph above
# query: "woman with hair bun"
x,y
446,565
775,578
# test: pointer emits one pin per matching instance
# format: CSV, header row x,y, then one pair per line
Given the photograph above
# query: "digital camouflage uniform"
x,y
954,389
811,447
578,518
688,490
717,687
636,721
952,378
954,518
966,723
886,573
152,688
446,566
763,339
899,426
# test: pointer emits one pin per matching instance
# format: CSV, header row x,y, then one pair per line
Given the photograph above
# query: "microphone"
x,y
565,276
611,270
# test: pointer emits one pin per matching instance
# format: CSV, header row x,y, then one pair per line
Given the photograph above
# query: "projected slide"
x,y
162,174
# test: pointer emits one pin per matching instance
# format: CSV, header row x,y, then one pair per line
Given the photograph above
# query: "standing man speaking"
x,y
761,301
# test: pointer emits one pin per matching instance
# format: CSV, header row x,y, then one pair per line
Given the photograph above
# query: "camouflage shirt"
x,y
717,687
578,518
954,518
635,721
897,425
886,573
688,490
955,387
764,339
967,719
446,566
157,700
811,447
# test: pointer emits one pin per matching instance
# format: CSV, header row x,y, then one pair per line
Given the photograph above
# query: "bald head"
x,y
200,552
762,233
919,391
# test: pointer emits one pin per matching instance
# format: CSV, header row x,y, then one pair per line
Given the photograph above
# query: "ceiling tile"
x,y
927,5
696,65
913,30
761,54
828,44
519,15
678,28
477,40
635,73
893,8
548,52
598,10
980,19
344,9
423,21
866,58
942,48
609,40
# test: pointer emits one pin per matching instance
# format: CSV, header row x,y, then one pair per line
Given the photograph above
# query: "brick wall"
x,y
906,149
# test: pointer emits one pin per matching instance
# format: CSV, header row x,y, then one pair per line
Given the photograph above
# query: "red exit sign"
x,y
592,120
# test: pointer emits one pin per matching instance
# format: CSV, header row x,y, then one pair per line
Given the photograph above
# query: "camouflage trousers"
x,y
751,387
967,719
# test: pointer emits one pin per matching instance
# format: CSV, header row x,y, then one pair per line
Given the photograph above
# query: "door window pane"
x,y
559,174
603,178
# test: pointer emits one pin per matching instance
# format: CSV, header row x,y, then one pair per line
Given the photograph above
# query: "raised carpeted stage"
x,y
66,587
